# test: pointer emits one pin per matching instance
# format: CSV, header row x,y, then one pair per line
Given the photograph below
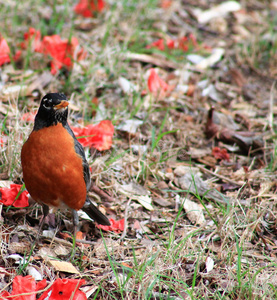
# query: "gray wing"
x,y
80,150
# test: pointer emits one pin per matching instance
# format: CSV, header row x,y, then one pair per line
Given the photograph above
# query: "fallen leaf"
x,y
126,85
103,246
126,265
209,264
220,10
211,60
194,212
246,140
145,201
90,289
213,93
238,77
32,271
137,192
63,266
130,126
194,184
220,154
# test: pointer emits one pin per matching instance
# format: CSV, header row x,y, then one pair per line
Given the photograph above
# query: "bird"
x,y
55,170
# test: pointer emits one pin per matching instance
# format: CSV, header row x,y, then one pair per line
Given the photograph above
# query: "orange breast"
x,y
52,170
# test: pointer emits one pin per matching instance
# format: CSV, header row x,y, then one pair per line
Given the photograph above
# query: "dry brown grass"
x,y
165,254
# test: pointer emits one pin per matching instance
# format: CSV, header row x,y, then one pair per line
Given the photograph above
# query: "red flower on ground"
x,y
160,44
183,43
22,285
32,38
116,226
98,136
87,7
17,55
60,290
28,117
220,154
158,87
65,289
9,196
165,4
4,51
62,51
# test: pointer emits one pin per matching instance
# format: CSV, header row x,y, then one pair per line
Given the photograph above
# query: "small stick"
x,y
125,220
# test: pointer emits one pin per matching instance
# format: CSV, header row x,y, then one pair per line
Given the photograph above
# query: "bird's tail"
x,y
95,213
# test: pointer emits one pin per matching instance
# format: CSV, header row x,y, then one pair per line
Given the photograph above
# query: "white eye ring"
x,y
47,103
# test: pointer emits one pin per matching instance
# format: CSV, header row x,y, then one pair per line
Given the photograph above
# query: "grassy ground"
x,y
222,248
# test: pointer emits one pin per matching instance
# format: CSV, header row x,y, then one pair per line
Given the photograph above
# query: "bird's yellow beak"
x,y
63,104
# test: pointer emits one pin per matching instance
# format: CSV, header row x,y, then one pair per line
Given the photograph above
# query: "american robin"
x,y
55,169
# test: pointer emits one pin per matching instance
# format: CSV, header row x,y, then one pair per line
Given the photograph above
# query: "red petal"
x,y
170,44
4,52
98,136
25,284
165,4
220,154
4,294
182,43
158,44
32,38
17,55
9,195
86,7
156,85
65,289
28,117
116,226
41,285
62,51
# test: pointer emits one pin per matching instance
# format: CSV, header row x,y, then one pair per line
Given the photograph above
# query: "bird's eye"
x,y
47,103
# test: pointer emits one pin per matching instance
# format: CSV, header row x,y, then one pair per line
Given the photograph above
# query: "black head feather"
x,y
52,110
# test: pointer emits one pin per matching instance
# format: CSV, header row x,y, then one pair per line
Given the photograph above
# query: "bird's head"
x,y
53,109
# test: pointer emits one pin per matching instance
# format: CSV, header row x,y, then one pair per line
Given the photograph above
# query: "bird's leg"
x,y
76,228
45,210
75,222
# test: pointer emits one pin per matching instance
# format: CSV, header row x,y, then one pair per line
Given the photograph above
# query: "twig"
x,y
94,188
217,175
158,61
270,109
125,220
68,243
